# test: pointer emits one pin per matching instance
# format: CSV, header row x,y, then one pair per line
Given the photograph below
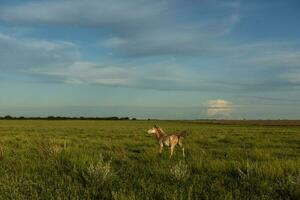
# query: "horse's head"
x,y
152,130
155,130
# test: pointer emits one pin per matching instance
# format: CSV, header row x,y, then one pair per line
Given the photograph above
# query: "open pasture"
x,y
118,160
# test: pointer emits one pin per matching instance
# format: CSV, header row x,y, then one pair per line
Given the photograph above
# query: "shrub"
x,y
100,171
180,171
1,153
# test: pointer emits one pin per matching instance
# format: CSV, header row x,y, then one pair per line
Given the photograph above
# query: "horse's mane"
x,y
160,130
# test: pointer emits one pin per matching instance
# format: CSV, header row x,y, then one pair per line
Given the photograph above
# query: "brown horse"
x,y
171,140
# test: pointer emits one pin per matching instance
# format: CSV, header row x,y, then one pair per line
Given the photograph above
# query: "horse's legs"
x,y
182,147
161,148
172,149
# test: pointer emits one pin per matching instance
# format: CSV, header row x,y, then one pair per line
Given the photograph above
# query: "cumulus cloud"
x,y
219,108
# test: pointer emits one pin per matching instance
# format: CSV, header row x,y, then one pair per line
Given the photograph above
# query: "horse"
x,y
168,140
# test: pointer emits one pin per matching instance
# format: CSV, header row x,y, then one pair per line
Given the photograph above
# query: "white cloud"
x,y
219,108
59,61
135,27
160,42
275,58
151,76
82,12
91,73
292,77
131,31
25,53
264,54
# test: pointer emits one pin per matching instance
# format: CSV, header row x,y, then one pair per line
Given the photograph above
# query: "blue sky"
x,y
163,59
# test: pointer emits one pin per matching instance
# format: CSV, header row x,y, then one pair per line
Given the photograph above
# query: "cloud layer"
x,y
141,37
18,54
136,27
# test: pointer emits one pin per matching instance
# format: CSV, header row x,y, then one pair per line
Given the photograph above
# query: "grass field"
x,y
117,160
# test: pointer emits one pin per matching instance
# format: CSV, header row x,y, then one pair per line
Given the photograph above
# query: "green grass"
x,y
117,160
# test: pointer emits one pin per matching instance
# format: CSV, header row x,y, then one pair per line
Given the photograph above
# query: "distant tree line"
x,y
8,117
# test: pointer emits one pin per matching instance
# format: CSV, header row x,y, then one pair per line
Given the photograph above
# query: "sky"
x,y
164,59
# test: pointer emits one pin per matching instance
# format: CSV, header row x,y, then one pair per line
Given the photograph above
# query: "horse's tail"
x,y
183,134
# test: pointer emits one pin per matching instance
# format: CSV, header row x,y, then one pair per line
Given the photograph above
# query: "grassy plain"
x,y
117,160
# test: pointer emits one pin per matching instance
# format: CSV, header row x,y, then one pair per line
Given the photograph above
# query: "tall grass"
x,y
117,160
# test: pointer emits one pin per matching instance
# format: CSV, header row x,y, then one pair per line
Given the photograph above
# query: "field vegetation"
x,y
75,159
